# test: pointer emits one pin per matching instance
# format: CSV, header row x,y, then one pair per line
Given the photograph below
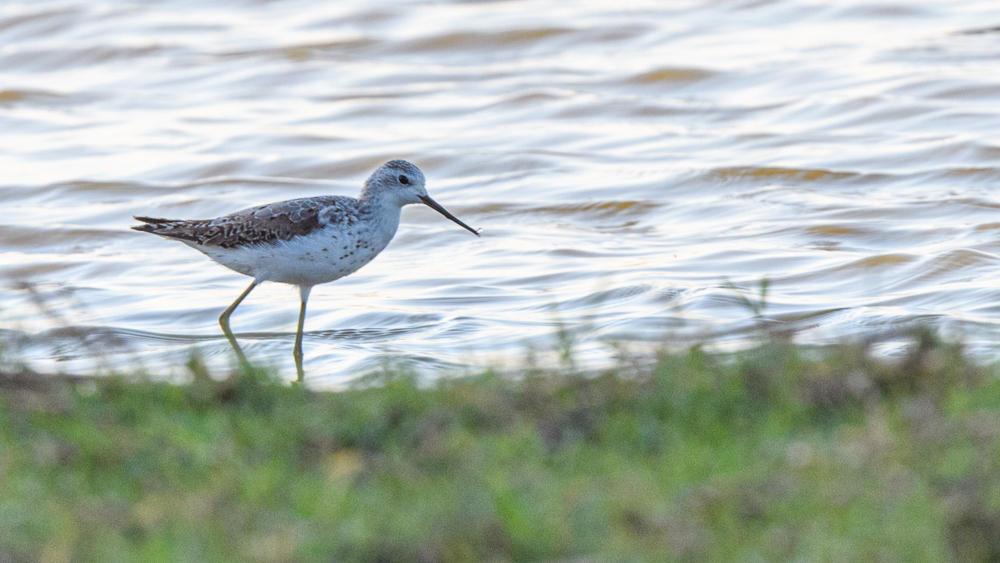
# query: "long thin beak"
x,y
437,207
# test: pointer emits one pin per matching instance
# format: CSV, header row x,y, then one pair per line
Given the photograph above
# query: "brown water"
x,y
625,160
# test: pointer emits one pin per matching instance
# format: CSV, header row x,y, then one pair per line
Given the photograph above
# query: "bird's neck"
x,y
383,213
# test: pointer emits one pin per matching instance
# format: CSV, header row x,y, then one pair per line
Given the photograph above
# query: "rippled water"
x,y
626,161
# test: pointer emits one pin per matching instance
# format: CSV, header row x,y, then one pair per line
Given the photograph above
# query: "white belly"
x,y
320,257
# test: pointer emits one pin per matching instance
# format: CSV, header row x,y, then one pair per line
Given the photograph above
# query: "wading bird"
x,y
307,241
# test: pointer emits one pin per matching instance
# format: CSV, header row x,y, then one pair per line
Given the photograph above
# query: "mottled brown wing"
x,y
266,224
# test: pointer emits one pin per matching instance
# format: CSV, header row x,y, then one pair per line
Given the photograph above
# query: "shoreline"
x,y
776,452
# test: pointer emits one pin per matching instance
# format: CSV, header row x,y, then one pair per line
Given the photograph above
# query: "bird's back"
x,y
304,241
265,224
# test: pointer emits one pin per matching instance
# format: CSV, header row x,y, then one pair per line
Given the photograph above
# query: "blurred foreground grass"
x,y
773,454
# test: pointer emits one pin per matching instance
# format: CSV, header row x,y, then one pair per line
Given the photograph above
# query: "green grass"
x,y
778,453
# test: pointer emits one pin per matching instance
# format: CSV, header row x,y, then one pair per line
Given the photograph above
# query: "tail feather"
x,y
151,223
153,220
169,228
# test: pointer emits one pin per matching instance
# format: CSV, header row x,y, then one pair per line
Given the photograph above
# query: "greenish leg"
x,y
224,323
297,351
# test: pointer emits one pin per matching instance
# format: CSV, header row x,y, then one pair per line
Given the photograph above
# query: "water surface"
x,y
628,163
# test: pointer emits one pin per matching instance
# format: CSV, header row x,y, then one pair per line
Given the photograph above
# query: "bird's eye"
x,y
404,180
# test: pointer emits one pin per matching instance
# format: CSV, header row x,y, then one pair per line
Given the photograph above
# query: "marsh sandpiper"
x,y
304,242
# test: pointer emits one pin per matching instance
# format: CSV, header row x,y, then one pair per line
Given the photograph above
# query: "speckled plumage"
x,y
305,241
269,223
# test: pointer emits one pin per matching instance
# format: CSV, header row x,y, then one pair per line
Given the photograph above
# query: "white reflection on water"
x,y
624,160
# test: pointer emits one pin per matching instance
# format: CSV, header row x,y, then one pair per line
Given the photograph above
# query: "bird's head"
x,y
399,182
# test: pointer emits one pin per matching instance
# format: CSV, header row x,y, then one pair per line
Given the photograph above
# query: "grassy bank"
x,y
777,453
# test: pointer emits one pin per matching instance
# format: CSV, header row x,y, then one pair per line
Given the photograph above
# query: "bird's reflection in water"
x,y
358,335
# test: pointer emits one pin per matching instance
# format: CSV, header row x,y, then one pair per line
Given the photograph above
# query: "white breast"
x,y
319,257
